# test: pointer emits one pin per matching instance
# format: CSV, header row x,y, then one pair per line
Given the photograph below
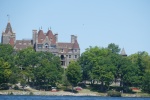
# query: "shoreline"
x,y
63,93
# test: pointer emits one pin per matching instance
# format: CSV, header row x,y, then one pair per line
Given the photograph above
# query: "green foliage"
x,y
97,65
11,93
101,66
65,81
6,52
140,61
114,93
23,83
105,65
40,69
31,93
5,71
16,87
146,82
74,73
114,48
103,74
4,86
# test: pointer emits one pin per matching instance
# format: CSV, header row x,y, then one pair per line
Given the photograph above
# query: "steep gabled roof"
x,y
8,28
41,36
51,37
50,34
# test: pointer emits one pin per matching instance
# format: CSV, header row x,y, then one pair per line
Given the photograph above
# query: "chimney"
x,y
56,37
73,38
34,32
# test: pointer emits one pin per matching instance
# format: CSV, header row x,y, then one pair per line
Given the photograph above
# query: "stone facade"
x,y
46,42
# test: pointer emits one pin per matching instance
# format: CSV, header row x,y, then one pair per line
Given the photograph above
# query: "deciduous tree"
x,y
74,73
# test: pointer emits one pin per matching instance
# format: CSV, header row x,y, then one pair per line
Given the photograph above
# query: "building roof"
x,y
51,37
22,44
123,53
65,45
76,45
41,36
8,28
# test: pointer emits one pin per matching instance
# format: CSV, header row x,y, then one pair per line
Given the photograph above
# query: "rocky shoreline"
x,y
63,93
44,93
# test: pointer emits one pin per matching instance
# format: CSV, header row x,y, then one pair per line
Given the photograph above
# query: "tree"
x,y
116,61
48,70
5,71
15,75
146,82
114,48
97,66
65,81
6,52
41,69
141,62
24,58
74,73
90,58
103,74
129,73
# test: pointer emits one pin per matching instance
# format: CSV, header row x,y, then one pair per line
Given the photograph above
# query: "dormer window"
x,y
39,46
46,45
75,50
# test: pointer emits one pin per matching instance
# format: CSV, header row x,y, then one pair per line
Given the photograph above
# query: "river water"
x,y
4,97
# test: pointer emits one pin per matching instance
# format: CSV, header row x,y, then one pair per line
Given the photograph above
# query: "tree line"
x,y
97,66
38,69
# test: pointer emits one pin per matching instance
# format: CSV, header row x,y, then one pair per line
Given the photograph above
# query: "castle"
x,y
46,42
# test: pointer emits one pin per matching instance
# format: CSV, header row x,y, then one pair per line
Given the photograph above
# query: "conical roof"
x,y
8,28
123,53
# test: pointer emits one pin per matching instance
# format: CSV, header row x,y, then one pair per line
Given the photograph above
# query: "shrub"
x,y
4,86
16,87
31,93
11,93
113,93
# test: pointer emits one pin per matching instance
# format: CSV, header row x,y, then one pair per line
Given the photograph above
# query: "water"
x,y
66,98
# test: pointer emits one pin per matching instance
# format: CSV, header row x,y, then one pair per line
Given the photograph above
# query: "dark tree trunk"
x,y
72,88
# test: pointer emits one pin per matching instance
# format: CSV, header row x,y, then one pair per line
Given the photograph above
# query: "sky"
x,y
95,22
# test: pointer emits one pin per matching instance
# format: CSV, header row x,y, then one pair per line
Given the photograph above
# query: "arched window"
x,y
46,45
62,57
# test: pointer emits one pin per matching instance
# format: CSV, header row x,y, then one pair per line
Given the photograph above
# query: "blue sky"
x,y
95,22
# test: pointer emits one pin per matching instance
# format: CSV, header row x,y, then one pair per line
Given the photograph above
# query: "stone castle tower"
x,y
8,36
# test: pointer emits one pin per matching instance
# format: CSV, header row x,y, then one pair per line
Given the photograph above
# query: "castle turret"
x,y
8,35
123,53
